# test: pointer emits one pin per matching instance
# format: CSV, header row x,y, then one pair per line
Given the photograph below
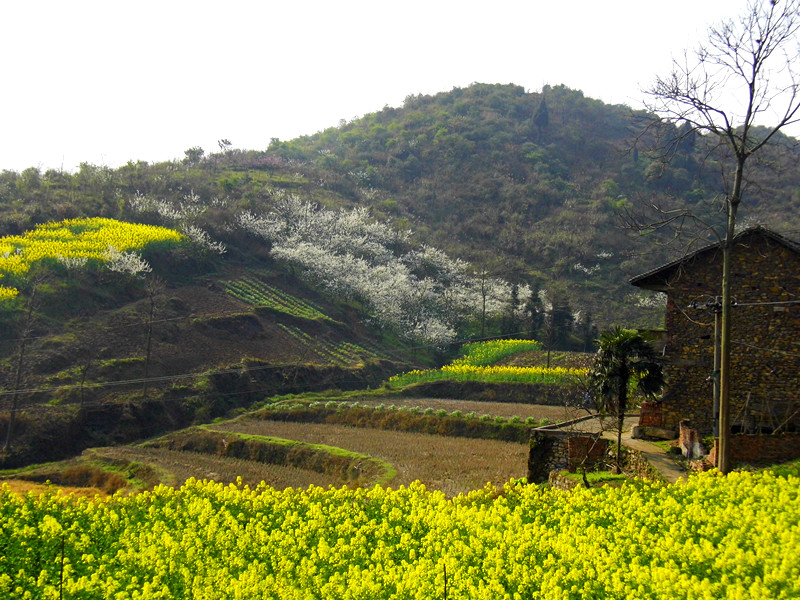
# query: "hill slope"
x,y
528,186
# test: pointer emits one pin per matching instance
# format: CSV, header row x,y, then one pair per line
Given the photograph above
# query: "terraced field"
x,y
254,291
340,353
452,465
175,467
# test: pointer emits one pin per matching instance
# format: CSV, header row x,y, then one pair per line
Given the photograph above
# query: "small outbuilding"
x,y
765,336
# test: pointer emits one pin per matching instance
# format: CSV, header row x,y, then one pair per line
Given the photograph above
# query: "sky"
x,y
105,82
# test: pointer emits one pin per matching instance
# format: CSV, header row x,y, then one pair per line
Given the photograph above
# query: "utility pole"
x,y
717,307
721,375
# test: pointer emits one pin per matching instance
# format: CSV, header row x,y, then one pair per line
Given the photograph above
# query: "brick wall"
x,y
765,449
585,451
650,414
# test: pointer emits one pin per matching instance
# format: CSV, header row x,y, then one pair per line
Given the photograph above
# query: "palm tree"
x,y
624,354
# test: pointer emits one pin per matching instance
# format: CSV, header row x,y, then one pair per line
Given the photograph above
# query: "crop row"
x,y
256,292
711,537
410,419
491,374
339,353
476,364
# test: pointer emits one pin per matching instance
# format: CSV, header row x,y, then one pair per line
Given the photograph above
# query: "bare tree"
x,y
747,71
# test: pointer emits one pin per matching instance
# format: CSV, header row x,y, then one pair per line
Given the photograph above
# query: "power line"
x,y
772,350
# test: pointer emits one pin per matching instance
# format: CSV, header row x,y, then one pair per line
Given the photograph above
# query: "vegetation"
x,y
476,364
350,467
477,172
497,374
75,243
522,541
483,354
256,292
625,357
441,422
337,353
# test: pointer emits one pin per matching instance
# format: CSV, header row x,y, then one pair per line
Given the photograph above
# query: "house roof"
x,y
658,278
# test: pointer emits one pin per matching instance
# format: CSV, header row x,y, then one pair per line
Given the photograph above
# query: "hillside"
x,y
110,359
473,213
482,173
526,186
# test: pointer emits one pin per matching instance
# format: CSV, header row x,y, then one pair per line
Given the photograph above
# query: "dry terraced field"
x,y
176,467
452,465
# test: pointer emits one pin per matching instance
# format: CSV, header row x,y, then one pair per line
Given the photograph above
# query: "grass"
x,y
596,477
787,469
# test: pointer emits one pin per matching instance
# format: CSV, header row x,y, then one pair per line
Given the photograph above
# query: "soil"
x,y
448,464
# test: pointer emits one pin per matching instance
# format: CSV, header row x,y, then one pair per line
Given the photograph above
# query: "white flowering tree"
x,y
182,214
418,291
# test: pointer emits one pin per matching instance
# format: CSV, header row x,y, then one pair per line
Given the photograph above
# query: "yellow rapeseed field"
x,y
83,239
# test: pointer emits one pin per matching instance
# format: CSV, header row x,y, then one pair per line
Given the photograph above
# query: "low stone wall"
x,y
635,464
558,481
761,449
562,450
639,466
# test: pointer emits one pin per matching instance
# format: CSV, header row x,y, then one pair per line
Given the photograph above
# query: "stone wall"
x,y
635,464
554,450
765,362
639,466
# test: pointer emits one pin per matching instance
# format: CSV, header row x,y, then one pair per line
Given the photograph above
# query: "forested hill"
x,y
526,186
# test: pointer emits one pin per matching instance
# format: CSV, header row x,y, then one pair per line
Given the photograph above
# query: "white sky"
x,y
109,81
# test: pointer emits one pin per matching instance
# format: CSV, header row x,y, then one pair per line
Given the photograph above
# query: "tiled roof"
x,y
659,275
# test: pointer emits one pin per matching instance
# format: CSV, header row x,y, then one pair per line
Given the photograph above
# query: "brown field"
x,y
449,464
176,467
452,465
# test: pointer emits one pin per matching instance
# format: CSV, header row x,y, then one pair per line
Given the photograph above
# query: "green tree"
x,y
542,117
624,358
193,155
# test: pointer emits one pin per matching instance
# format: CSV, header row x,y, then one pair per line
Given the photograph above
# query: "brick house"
x,y
765,335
